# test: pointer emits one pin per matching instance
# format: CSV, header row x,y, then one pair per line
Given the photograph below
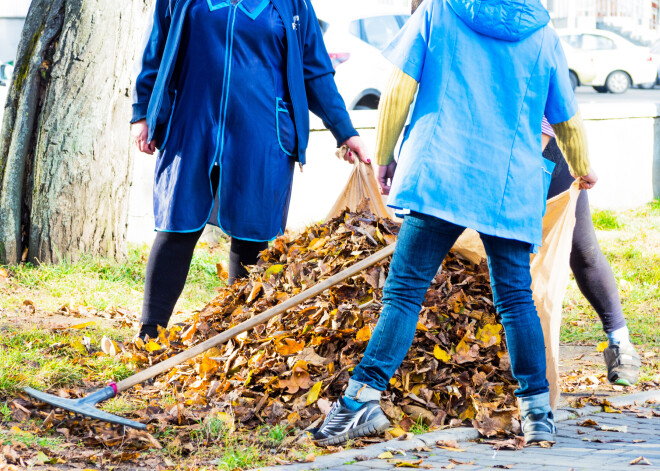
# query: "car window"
x,y
354,29
573,40
324,26
379,30
594,42
402,19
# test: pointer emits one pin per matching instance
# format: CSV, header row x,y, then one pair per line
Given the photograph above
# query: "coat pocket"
x,y
286,130
163,131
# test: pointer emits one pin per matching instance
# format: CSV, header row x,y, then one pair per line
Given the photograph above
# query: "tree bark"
x,y
65,152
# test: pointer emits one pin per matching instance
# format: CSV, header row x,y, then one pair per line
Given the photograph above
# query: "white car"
x,y
355,33
606,61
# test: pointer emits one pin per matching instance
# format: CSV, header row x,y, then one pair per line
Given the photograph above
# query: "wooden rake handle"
x,y
223,337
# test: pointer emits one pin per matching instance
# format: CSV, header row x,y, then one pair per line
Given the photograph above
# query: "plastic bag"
x,y
361,186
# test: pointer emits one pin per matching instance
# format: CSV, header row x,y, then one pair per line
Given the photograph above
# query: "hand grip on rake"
x,y
86,405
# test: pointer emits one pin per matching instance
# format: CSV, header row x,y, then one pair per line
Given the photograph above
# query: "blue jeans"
x,y
423,243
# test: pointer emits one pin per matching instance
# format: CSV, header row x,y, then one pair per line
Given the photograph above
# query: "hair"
x,y
414,5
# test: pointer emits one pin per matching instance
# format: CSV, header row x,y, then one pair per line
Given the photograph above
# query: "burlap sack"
x,y
550,267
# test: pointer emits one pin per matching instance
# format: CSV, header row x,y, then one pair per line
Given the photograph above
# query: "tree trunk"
x,y
65,152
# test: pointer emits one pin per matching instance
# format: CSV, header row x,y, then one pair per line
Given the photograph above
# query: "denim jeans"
x,y
423,243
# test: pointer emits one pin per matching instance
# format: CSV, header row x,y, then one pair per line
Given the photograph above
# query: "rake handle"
x,y
223,337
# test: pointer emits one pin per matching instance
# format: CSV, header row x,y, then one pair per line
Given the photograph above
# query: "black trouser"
x,y
591,269
168,266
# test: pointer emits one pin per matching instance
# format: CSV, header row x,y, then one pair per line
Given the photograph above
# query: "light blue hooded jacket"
x,y
488,71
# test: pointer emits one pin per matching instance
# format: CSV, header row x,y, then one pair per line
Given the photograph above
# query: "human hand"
x,y
589,180
140,132
355,146
385,177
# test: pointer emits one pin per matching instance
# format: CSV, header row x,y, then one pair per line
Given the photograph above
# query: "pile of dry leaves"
x,y
291,369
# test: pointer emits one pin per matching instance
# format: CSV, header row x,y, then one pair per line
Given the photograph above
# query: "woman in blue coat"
x,y
223,91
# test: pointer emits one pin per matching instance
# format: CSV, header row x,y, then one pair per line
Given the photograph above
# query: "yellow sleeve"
x,y
392,114
572,140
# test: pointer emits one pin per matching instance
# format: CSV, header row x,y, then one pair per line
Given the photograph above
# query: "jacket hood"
x,y
510,20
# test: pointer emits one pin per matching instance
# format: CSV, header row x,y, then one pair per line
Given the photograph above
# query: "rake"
x,y
86,406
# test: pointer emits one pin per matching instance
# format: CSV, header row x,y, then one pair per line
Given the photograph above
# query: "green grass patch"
x,y
605,220
30,439
102,283
46,360
634,255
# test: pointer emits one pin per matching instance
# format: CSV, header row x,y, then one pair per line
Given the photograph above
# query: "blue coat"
x,y
487,73
215,79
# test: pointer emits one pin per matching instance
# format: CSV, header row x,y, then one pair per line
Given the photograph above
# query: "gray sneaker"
x,y
539,428
623,364
342,424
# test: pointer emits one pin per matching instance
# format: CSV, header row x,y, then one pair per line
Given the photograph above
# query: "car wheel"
x,y
617,82
574,79
600,89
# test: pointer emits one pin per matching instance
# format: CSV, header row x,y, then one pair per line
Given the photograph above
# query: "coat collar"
x,y
252,8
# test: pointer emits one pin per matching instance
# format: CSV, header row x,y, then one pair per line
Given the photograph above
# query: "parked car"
x,y
355,33
6,71
606,61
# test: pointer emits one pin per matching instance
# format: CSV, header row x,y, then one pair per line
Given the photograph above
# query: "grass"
x,y
633,250
102,283
419,427
605,220
45,360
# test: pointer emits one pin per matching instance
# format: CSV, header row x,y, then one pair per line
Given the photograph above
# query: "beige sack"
x,y
361,186
550,271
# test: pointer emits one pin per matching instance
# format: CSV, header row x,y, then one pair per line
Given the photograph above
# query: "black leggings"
x,y
591,269
168,266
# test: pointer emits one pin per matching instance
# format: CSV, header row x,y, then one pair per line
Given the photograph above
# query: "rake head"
x,y
86,405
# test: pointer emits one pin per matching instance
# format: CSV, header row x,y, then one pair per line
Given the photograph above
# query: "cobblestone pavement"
x,y
581,445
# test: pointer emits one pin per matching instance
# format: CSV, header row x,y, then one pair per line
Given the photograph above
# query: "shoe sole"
x,y
373,427
535,437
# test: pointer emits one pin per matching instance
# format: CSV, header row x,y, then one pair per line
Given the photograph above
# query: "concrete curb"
x,y
458,434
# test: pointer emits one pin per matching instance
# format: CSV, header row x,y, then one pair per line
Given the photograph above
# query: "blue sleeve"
x,y
561,104
408,49
147,65
323,98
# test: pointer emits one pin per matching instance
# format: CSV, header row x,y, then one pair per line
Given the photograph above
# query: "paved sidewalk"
x,y
580,445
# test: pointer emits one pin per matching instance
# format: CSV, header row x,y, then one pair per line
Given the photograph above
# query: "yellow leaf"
x,y
602,346
331,368
273,270
83,325
462,347
468,414
440,354
385,456
422,327
79,346
363,334
317,243
396,432
314,393
490,334
610,410
151,346
15,429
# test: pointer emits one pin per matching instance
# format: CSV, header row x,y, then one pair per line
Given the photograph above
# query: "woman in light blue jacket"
x,y
485,73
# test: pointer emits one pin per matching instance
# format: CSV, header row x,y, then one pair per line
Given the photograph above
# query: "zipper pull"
x,y
301,166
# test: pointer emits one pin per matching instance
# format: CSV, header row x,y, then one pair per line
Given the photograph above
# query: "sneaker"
x,y
539,428
623,364
342,424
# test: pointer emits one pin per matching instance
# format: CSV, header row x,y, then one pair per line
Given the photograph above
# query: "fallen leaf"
x,y
602,346
441,354
314,393
364,334
612,428
641,461
83,325
385,456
